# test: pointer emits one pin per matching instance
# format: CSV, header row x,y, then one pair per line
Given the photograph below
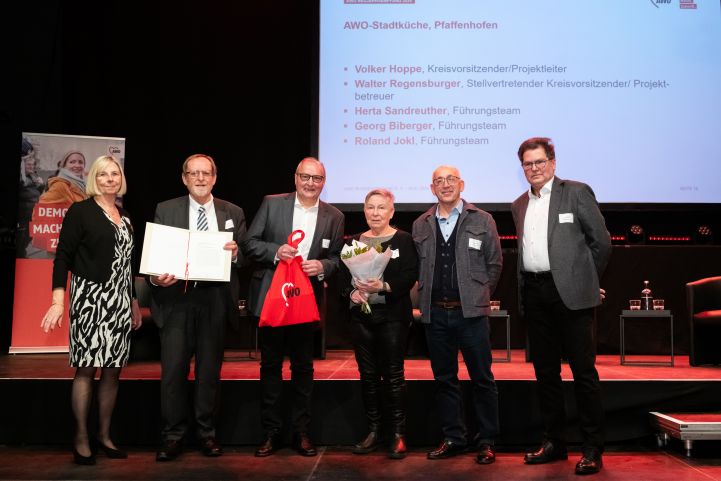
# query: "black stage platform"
x,y
35,410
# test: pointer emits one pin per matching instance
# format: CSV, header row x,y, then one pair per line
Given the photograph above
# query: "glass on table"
x,y
634,304
495,305
658,305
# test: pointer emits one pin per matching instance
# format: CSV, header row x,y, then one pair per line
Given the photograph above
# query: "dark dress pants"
x,y
555,331
297,342
379,351
196,325
447,333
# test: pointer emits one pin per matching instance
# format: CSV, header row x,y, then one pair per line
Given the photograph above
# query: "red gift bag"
x,y
290,298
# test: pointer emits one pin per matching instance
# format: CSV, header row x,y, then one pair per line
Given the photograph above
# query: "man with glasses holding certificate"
x,y
192,315
460,264
266,243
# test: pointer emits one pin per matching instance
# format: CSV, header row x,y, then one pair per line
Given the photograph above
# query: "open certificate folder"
x,y
191,255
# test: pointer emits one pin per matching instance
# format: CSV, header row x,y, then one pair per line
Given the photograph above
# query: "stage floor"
x,y
337,463
341,366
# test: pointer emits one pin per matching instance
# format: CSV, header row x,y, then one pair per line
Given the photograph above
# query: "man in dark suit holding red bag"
x,y
266,243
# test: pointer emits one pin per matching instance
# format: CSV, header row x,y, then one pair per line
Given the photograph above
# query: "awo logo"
x,y
289,290
683,4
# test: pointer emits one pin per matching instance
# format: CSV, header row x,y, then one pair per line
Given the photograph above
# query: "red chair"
x,y
703,299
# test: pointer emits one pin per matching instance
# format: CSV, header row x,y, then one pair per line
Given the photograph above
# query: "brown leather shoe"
x,y
211,448
486,454
591,462
269,446
170,450
549,451
398,447
304,445
369,443
447,449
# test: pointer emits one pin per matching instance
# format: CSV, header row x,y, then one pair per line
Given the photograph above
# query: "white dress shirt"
x,y
535,230
305,219
209,214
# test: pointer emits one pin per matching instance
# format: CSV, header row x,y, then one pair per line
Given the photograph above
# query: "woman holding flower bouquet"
x,y
381,313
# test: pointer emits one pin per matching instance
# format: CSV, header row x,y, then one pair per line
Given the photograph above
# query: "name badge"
x,y
325,243
565,218
474,244
229,224
395,253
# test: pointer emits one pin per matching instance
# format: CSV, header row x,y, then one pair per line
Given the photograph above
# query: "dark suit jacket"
x,y
270,229
175,213
578,251
478,270
401,275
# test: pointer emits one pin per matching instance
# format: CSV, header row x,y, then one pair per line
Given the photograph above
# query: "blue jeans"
x,y
448,333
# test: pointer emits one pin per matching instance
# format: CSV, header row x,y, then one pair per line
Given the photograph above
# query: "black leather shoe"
x,y
170,450
369,444
591,462
83,460
304,445
486,454
271,445
398,447
211,448
549,451
447,449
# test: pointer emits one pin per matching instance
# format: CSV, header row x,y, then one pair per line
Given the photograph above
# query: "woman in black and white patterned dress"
x,y
96,246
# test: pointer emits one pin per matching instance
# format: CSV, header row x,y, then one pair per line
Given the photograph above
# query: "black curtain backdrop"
x,y
235,80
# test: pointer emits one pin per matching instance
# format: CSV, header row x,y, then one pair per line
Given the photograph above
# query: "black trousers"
x,y
555,331
297,342
379,352
196,326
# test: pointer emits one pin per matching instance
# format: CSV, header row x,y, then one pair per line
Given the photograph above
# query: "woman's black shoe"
x,y
83,460
398,447
369,444
112,453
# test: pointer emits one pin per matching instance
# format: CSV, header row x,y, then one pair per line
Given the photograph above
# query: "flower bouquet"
x,y
364,263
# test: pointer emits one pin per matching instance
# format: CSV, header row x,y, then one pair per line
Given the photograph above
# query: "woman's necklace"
x,y
112,212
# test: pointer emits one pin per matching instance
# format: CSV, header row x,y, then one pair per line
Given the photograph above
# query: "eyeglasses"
x,y
539,164
199,173
317,179
450,180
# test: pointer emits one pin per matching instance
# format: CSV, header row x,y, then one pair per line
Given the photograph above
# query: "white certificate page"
x,y
192,255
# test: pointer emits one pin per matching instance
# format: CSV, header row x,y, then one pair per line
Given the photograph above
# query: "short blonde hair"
x,y
385,193
91,185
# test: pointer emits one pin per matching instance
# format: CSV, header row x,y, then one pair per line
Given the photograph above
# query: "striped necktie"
x,y
202,219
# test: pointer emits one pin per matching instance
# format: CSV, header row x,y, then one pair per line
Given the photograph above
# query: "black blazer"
x,y
401,275
87,244
175,213
270,229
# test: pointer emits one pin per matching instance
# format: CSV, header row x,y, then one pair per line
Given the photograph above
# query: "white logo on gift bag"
x,y
289,290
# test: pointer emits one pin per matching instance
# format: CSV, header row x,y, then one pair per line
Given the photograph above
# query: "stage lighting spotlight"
x,y
636,235
704,235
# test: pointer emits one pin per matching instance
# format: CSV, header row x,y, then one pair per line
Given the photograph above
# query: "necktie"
x,y
202,219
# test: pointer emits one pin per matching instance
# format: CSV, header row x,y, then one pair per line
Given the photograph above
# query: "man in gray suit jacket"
x,y
563,248
192,315
460,264
266,243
